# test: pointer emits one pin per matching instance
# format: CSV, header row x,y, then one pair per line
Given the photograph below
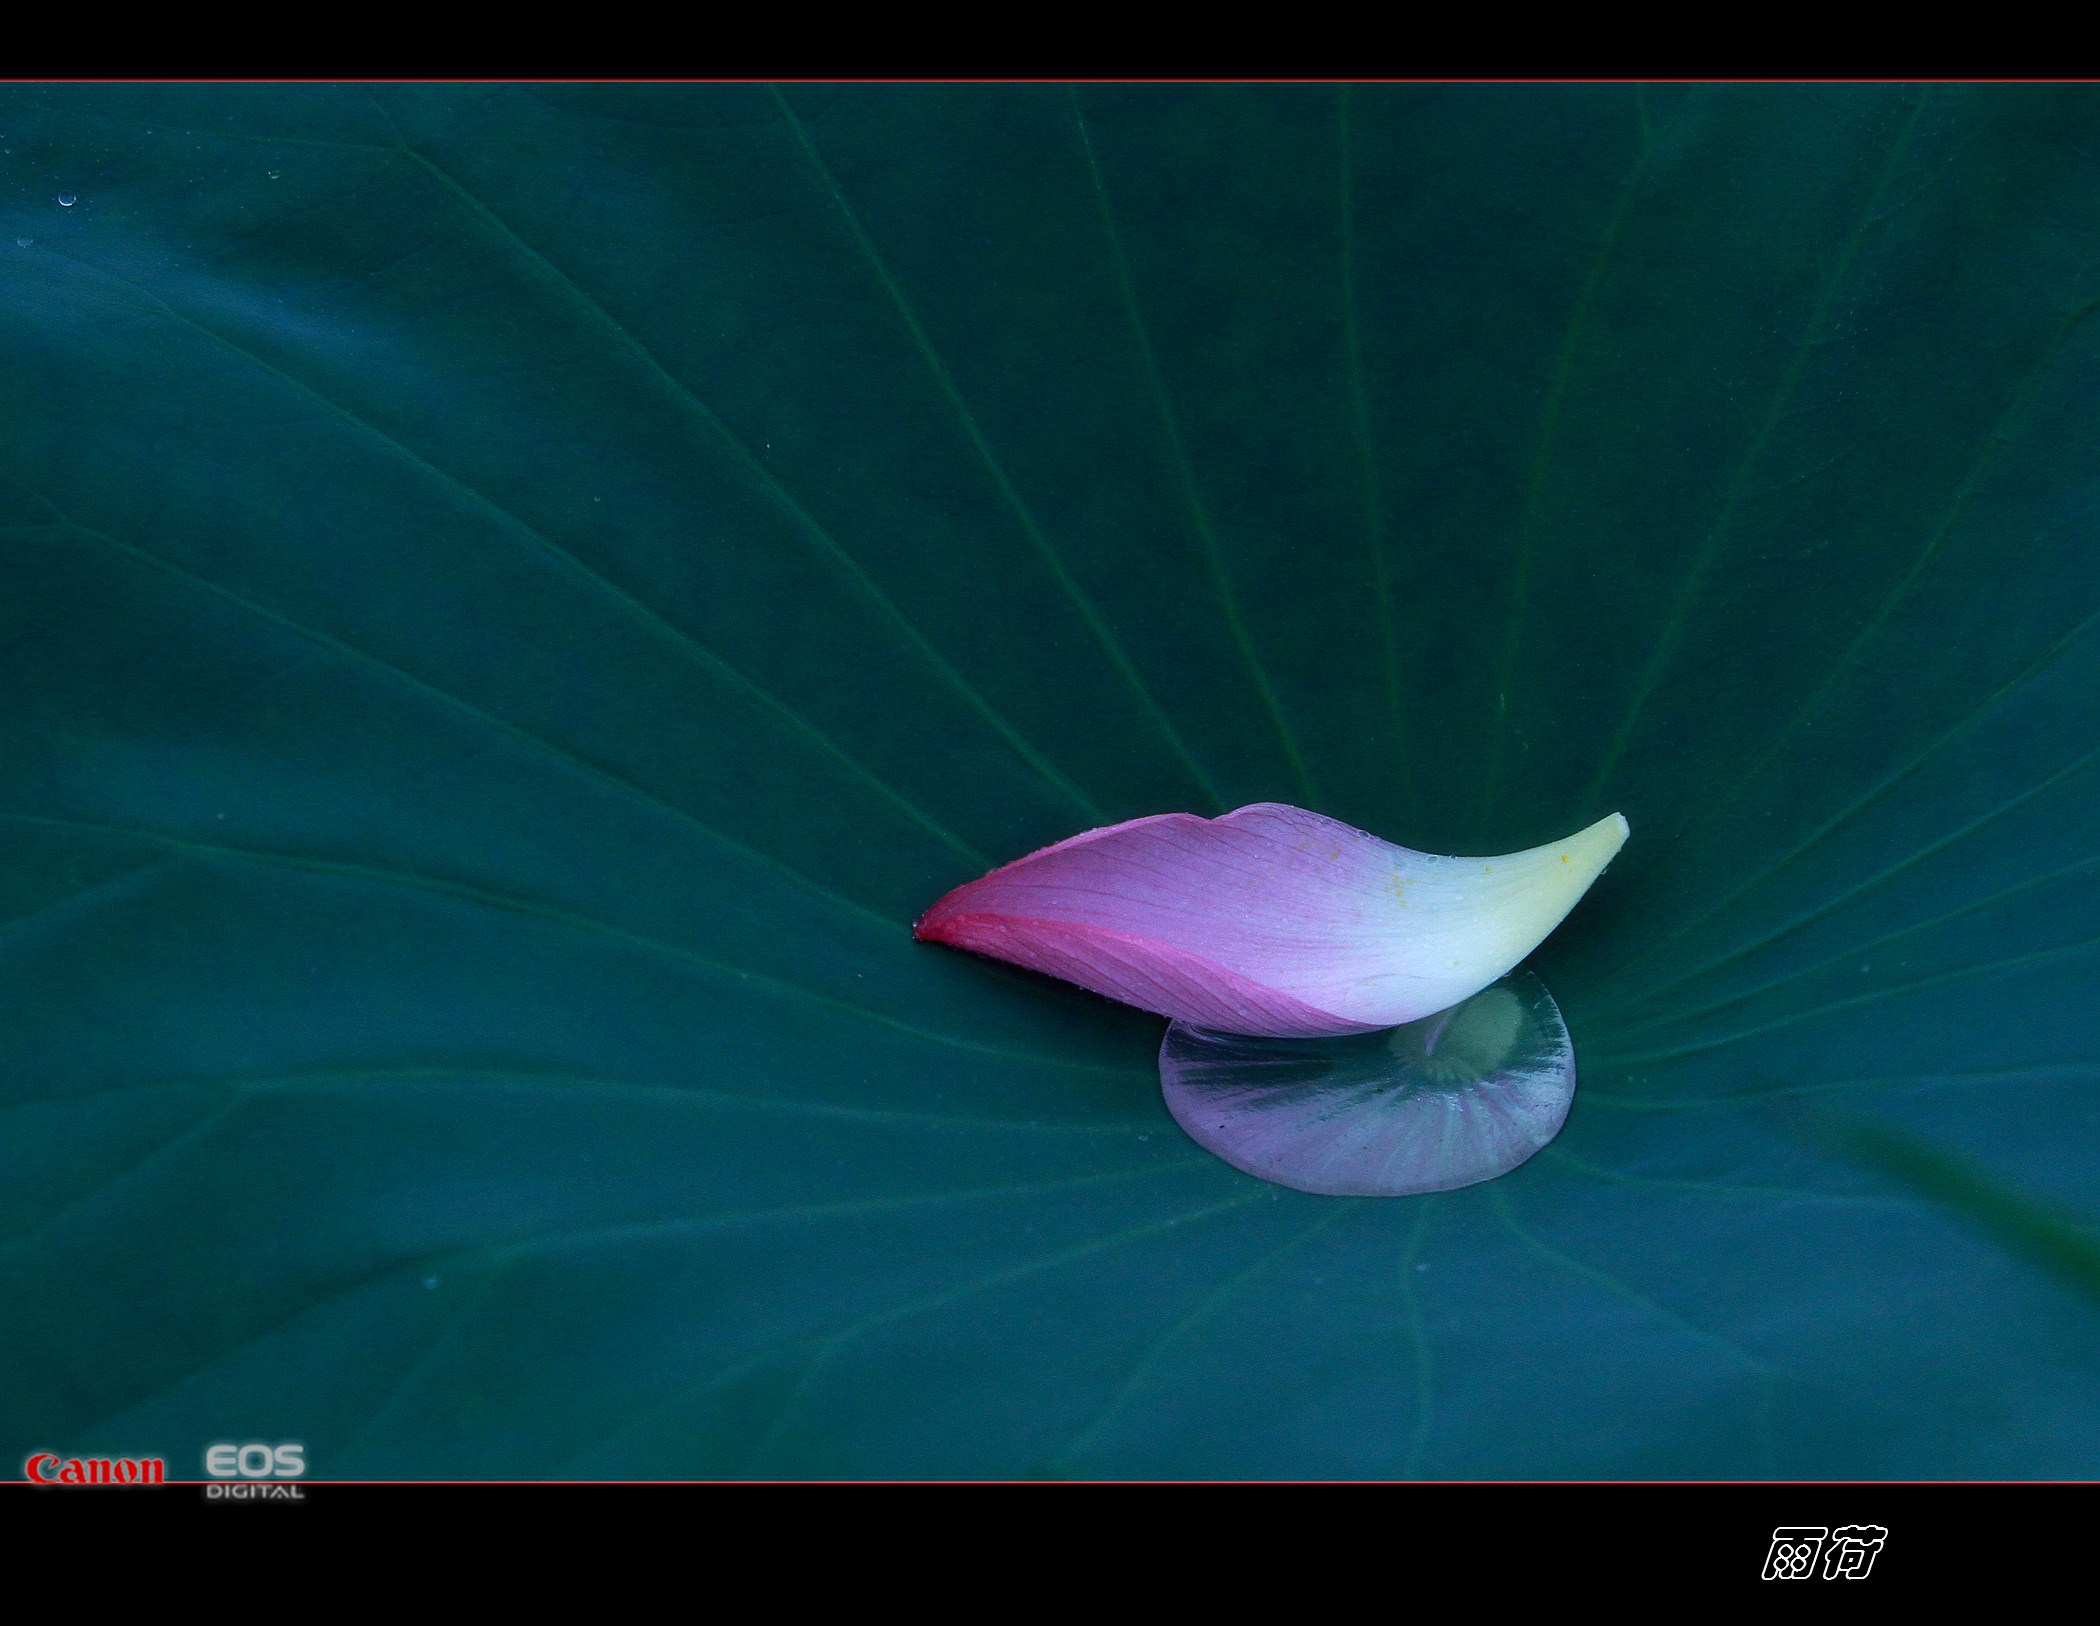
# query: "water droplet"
x,y
1448,1101
66,200
274,174
430,1281
24,242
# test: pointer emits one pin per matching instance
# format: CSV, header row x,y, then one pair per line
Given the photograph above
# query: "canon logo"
x,y
49,1468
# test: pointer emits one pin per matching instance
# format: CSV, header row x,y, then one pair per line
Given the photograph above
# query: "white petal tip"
x,y
1609,833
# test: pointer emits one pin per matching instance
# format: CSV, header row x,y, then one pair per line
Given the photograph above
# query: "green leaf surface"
x,y
514,598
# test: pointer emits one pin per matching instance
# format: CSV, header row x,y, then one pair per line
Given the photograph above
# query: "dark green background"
x,y
513,598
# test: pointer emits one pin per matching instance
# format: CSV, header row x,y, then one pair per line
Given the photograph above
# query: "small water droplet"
x,y
430,1281
66,200
24,242
1421,1267
275,173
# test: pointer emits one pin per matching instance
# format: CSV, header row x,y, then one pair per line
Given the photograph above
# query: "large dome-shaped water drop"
x,y
1448,1101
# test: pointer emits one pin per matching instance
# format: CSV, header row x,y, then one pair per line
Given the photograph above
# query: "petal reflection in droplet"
x,y
1448,1101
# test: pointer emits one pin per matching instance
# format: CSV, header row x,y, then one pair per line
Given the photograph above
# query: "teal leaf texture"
x,y
515,597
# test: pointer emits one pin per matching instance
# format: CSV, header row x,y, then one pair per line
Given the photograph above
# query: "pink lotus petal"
x,y
1448,1101
1270,920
